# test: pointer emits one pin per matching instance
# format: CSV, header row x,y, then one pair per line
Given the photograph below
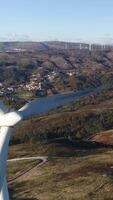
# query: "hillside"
x,y
80,161
31,74
77,138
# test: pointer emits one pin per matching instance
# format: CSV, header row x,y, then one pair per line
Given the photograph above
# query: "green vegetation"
x,y
77,169
80,120
80,166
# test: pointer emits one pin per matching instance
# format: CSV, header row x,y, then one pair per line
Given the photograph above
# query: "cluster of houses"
x,y
36,83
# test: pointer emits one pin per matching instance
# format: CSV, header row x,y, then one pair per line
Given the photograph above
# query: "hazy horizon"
x,y
80,41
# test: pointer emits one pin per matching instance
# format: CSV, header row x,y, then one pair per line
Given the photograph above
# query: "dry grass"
x,y
86,177
71,173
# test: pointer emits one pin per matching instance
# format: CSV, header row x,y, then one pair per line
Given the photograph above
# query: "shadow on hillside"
x,y
18,189
80,144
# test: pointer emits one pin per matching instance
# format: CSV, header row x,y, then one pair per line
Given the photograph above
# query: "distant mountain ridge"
x,y
46,45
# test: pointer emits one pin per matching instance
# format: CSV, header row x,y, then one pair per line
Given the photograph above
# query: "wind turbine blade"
x,y
4,191
45,104
5,133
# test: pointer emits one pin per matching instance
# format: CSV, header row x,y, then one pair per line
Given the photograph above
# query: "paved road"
x,y
41,160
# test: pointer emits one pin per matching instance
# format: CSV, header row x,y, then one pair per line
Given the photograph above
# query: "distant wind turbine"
x,y
9,118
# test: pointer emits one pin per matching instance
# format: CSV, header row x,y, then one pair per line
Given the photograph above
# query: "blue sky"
x,y
70,20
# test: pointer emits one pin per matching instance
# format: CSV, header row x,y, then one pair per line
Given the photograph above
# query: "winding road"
x,y
41,160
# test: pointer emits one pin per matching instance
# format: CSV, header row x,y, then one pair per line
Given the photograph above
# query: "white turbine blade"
x,y
5,133
4,191
45,104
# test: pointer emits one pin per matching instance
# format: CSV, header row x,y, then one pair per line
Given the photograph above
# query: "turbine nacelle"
x,y
10,119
